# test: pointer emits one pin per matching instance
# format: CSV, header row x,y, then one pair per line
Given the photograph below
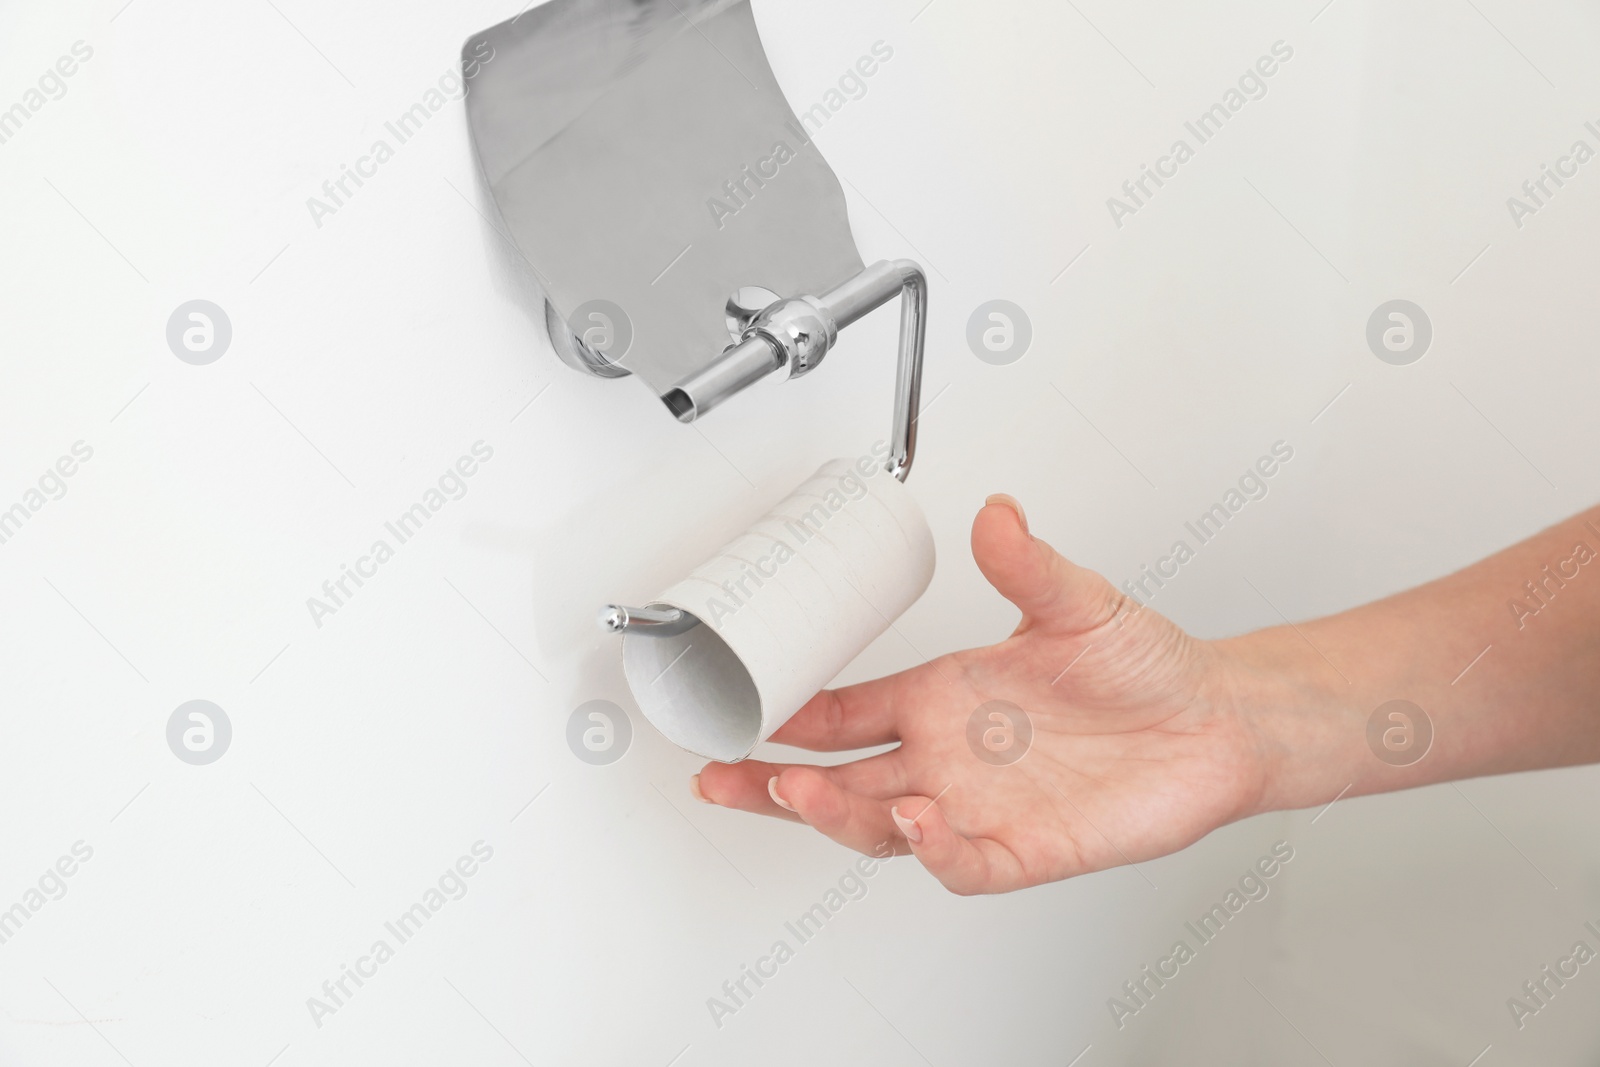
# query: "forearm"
x,y
1506,688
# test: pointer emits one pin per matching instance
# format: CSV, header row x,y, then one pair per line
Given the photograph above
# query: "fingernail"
x,y
1011,502
912,831
694,787
772,788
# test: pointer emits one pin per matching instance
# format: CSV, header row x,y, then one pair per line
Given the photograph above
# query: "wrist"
x,y
1300,718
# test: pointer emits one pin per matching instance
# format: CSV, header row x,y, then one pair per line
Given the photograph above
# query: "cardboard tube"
x,y
783,608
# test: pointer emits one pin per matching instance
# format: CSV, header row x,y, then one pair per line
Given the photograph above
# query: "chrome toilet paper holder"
x,y
685,229
683,226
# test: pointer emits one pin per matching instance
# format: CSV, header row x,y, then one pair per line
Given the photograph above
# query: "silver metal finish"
x,y
646,163
794,335
736,369
657,622
801,329
574,353
868,291
640,152
744,305
908,371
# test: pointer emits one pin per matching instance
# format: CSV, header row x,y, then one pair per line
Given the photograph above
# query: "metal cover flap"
x,y
641,152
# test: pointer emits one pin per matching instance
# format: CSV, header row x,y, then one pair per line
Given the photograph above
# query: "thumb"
x,y
1052,592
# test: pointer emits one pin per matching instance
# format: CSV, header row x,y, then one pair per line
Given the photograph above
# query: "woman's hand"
x,y
1139,745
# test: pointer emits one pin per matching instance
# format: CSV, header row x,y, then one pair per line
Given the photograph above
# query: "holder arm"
x,y
795,334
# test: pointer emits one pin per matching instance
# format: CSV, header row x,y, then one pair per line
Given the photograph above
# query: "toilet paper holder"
x,y
683,226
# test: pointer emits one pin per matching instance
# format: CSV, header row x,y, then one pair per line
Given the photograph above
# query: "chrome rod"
x,y
739,367
653,622
794,334
866,292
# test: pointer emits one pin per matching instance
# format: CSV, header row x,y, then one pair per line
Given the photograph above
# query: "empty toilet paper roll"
x,y
782,609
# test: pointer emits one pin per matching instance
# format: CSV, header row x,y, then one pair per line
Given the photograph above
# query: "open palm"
x,y
1136,746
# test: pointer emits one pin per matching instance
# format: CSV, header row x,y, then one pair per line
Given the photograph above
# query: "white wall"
x,y
368,354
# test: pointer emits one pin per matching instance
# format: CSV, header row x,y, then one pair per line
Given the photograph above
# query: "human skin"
x,y
1154,738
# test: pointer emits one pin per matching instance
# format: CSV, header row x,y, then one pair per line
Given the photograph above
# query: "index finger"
x,y
837,720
